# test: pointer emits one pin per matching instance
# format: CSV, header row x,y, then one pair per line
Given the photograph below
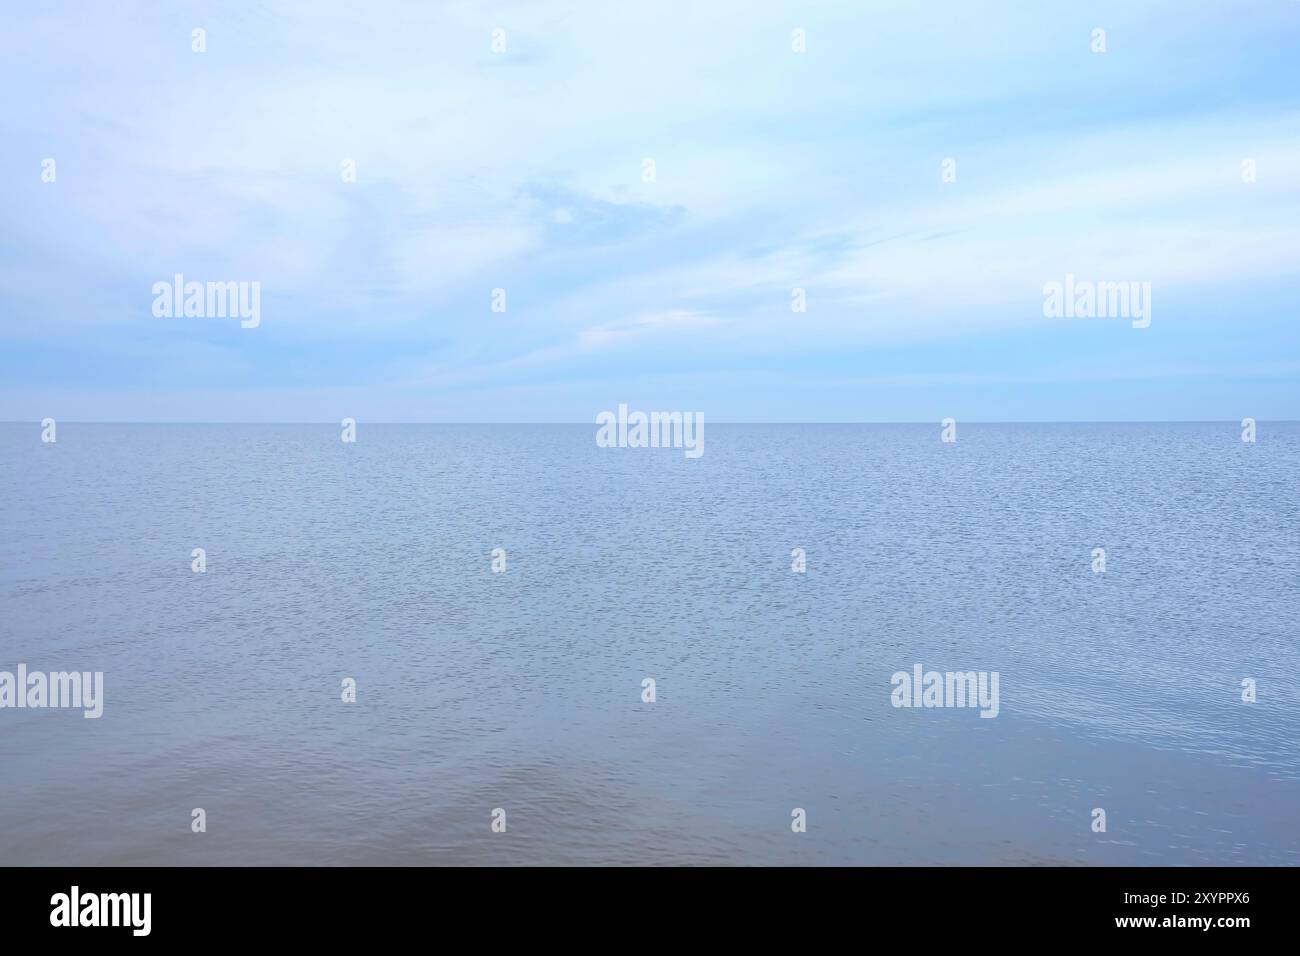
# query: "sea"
x,y
505,645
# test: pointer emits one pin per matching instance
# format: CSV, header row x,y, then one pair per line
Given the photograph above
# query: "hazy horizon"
x,y
1025,421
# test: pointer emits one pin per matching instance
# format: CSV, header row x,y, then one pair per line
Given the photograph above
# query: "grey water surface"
x,y
523,690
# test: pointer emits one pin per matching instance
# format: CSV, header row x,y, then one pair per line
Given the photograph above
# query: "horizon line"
x,y
1025,421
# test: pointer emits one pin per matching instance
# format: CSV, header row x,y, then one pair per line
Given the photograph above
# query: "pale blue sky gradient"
x,y
775,170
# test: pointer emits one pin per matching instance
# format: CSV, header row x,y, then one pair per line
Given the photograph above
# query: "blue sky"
x,y
775,170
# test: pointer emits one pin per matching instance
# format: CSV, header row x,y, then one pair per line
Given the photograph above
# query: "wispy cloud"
x,y
526,171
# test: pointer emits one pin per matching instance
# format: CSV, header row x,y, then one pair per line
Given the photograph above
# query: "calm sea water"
x,y
522,690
